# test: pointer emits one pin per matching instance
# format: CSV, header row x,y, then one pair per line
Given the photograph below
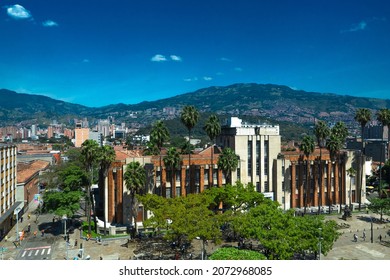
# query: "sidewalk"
x,y
8,249
346,249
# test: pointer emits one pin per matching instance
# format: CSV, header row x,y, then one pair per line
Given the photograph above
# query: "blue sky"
x,y
97,53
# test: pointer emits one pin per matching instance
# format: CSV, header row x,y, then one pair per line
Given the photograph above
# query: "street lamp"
x,y
372,231
203,250
319,244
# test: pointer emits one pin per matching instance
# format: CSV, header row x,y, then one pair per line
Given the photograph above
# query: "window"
x,y
257,157
250,158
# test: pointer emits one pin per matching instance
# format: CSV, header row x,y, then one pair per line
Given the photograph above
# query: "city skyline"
x,y
97,53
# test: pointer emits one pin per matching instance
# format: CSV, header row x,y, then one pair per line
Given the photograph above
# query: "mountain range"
x,y
276,103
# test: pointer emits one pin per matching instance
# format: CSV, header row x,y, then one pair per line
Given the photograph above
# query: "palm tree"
x,y
135,179
172,160
362,116
351,173
189,117
89,156
158,136
322,132
307,146
106,157
383,116
213,129
339,131
228,162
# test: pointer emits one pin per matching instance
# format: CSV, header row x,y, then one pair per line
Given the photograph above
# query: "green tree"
x,y
228,162
189,117
232,253
307,146
159,135
213,129
383,116
89,157
322,132
106,158
185,218
135,179
340,132
173,161
72,177
362,116
62,203
380,206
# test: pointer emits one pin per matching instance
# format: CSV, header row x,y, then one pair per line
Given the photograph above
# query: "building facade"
x,y
257,146
8,190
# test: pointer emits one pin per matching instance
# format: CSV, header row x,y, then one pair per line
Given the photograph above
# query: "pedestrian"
x,y
29,216
43,232
21,219
35,233
75,243
355,237
6,238
28,228
364,235
380,238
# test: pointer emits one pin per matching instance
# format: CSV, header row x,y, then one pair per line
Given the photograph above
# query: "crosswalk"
x,y
42,252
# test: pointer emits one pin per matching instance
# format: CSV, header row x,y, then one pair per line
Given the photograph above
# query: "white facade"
x,y
257,146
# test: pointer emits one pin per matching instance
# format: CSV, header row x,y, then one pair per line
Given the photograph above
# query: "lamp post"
x,y
64,219
203,250
372,231
319,244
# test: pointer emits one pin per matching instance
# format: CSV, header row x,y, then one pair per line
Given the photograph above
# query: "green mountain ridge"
x,y
276,102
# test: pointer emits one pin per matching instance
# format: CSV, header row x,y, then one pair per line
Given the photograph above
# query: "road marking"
x,y
43,251
24,252
48,251
30,253
37,248
373,253
36,253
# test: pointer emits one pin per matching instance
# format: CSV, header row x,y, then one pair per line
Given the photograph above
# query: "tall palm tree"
x,y
173,160
351,173
339,131
189,117
106,157
135,179
362,116
89,157
307,146
213,129
158,136
228,162
322,132
383,116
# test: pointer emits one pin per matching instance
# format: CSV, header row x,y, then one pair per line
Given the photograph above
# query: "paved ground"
x,y
54,247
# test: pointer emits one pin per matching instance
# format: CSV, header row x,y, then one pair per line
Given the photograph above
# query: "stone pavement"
x,y
346,249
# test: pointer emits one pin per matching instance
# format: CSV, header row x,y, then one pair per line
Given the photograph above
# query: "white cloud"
x,y
49,23
158,58
191,79
207,78
85,60
18,12
238,69
175,58
225,59
357,27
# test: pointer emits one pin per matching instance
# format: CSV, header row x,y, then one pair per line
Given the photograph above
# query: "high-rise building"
x,y
256,145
